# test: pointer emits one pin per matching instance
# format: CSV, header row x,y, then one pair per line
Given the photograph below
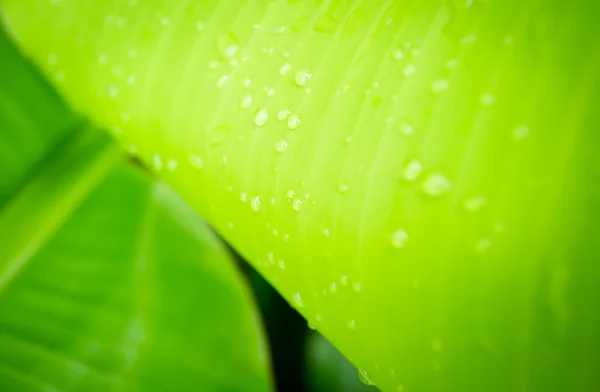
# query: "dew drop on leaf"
x,y
363,376
436,184
399,238
262,117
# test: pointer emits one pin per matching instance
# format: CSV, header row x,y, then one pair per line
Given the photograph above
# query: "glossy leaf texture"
x,y
420,179
108,280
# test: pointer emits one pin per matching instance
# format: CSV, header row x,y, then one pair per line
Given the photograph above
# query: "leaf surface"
x,y
418,178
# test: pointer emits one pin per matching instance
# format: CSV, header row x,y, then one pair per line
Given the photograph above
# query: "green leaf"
x,y
420,179
108,280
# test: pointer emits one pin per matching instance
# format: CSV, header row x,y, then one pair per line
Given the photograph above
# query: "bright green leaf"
x,y
420,179
108,281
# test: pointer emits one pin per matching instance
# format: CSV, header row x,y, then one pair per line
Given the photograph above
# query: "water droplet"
x,y
344,280
357,287
200,26
483,245
325,232
474,204
352,324
406,128
269,91
333,287
521,132
302,77
283,114
255,204
297,205
298,300
222,81
246,101
412,170
399,238
285,68
281,146
52,59
439,86
172,164
363,376
157,161
243,197
343,188
348,140
487,100
294,121
397,54
318,317
436,184
281,264
452,63
113,91
227,45
469,39
262,117
290,194
409,69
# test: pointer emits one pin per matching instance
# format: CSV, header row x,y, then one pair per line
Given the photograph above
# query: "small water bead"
x,y
483,245
363,376
290,194
409,70
52,59
439,86
406,127
227,45
469,39
283,114
269,91
397,54
172,164
333,287
113,91
285,68
297,205
200,26
352,324
486,100
243,197
281,146
325,232
102,59
521,132
343,188
399,238
255,204
357,287
318,317
246,101
302,77
196,161
281,264
412,171
157,161
294,121
286,237
247,82
451,64
436,184
344,280
262,117
298,300
474,204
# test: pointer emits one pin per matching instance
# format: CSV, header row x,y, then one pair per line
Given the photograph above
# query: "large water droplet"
x,y
297,205
363,376
298,300
255,204
302,77
436,184
294,121
413,170
262,117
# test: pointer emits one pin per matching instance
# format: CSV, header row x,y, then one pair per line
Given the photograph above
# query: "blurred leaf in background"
x,y
108,281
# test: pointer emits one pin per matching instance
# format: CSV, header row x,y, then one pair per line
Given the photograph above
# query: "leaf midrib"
x,y
55,191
